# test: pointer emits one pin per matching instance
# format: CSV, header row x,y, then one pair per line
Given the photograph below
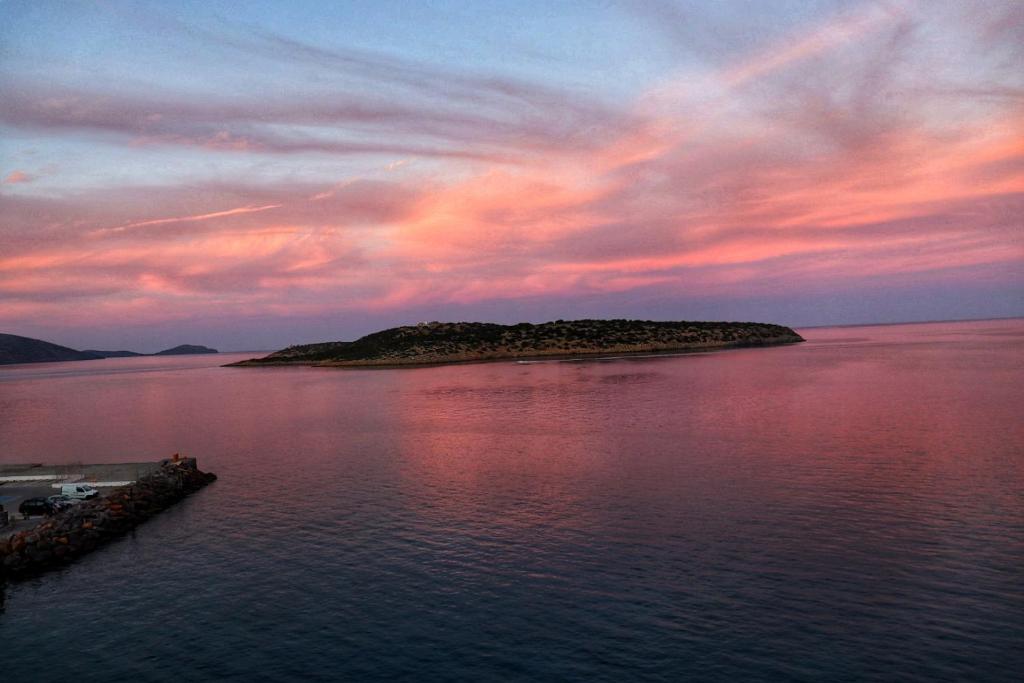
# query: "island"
x,y
17,349
185,350
180,350
437,342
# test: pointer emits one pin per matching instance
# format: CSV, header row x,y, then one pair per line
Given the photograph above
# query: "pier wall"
x,y
61,538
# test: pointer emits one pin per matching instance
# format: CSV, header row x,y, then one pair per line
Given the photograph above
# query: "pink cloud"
x,y
775,181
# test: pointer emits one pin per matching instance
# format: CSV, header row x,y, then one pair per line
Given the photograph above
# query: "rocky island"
x,y
436,342
185,350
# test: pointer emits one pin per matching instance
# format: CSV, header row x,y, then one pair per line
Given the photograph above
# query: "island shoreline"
x,y
618,352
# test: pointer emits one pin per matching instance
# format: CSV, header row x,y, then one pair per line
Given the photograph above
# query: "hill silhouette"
x,y
438,342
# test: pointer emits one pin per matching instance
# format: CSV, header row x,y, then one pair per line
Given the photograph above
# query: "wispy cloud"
x,y
361,103
187,219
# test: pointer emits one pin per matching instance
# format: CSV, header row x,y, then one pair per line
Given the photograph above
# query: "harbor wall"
x,y
59,539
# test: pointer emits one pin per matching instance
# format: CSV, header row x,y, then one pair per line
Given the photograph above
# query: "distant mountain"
x,y
113,354
16,349
184,350
436,342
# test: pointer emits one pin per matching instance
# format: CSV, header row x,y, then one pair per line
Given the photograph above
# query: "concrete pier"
x,y
121,473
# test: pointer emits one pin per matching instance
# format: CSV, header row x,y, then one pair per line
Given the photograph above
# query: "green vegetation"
x,y
464,342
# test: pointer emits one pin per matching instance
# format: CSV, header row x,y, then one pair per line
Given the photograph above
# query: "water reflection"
x,y
848,507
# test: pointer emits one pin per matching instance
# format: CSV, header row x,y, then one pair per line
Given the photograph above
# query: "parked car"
x,y
62,502
35,506
81,491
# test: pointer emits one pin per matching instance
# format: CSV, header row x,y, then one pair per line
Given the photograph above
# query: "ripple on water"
x,y
847,509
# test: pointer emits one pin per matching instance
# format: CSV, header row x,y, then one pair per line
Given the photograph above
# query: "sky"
x,y
250,175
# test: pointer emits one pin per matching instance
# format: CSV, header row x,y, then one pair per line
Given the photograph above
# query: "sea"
x,y
846,509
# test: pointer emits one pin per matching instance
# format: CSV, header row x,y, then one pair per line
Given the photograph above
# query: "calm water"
x,y
849,508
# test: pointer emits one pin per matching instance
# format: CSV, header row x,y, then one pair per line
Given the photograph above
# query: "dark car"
x,y
35,506
59,503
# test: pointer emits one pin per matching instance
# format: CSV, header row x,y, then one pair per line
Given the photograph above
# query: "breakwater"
x,y
84,527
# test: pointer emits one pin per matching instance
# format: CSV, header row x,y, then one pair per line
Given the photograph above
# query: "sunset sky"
x,y
252,175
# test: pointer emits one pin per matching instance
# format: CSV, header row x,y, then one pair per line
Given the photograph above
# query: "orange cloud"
x,y
15,177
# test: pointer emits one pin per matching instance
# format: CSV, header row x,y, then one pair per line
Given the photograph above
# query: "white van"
x,y
78,491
